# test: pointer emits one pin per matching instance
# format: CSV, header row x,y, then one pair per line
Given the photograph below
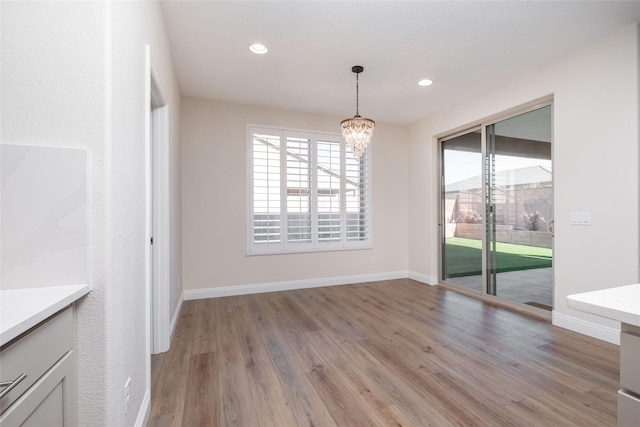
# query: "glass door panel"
x,y
462,206
519,211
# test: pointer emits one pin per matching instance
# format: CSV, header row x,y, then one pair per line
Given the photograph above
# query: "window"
x,y
306,192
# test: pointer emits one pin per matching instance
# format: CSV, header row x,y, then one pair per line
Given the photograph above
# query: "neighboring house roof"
x,y
510,178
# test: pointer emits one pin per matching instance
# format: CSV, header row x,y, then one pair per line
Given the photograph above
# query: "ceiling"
x,y
465,47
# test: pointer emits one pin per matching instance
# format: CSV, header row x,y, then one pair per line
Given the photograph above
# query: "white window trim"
x,y
285,247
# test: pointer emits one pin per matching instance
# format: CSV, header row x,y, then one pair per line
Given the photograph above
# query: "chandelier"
x,y
357,131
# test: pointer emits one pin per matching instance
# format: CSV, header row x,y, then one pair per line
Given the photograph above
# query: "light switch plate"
x,y
580,218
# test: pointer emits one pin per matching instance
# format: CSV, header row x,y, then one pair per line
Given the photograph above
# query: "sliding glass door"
x,y
497,212
462,207
519,208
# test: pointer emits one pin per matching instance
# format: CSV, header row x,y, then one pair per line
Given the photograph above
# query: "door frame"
x,y
470,127
157,256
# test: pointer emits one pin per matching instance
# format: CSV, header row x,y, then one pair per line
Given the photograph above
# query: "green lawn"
x,y
463,257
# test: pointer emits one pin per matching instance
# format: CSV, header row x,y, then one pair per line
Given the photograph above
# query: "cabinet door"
x,y
47,402
50,412
34,353
628,410
630,361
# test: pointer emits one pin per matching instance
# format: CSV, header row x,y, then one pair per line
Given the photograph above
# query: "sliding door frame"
x,y
441,206
441,224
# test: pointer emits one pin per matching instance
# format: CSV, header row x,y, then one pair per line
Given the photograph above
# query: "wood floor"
x,y
393,353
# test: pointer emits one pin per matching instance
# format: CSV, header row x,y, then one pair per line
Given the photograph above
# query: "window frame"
x,y
284,246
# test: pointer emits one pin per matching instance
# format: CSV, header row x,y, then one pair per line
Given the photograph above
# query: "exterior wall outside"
x,y
504,234
214,200
509,208
595,149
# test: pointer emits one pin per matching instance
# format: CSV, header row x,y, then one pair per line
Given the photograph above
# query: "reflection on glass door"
x,y
519,211
462,207
496,209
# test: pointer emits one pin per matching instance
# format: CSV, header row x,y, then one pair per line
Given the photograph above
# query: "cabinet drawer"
x,y
630,362
46,403
628,410
34,353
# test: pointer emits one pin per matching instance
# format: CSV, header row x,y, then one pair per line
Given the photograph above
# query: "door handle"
x,y
10,385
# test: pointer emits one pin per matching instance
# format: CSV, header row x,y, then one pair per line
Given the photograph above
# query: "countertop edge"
x,y
67,295
601,303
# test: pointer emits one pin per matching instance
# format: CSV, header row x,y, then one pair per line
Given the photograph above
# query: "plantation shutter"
x,y
328,190
356,195
298,187
266,215
305,192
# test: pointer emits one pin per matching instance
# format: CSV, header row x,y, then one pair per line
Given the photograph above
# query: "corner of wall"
x,y
429,280
176,316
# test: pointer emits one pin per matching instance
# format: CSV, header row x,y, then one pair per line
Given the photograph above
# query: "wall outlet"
x,y
127,394
373,260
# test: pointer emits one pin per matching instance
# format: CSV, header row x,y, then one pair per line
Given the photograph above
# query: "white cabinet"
x,y
43,359
630,358
629,393
628,409
621,304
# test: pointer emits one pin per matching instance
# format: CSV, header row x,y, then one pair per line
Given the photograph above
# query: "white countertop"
x,y
621,303
22,309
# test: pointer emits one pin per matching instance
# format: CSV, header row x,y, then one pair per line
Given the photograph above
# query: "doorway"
x,y
158,218
497,209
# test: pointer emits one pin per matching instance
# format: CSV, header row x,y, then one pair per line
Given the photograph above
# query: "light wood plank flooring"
x,y
392,353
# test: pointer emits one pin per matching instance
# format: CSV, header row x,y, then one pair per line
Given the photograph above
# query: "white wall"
x,y
596,168
214,201
51,100
133,26
73,75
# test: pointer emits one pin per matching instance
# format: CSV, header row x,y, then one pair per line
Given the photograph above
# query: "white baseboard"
x,y
145,410
429,280
174,318
226,291
585,327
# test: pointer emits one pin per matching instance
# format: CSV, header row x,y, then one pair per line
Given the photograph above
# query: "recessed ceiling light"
x,y
258,49
425,82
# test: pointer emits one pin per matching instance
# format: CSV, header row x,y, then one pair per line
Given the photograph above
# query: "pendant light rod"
x,y
357,69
